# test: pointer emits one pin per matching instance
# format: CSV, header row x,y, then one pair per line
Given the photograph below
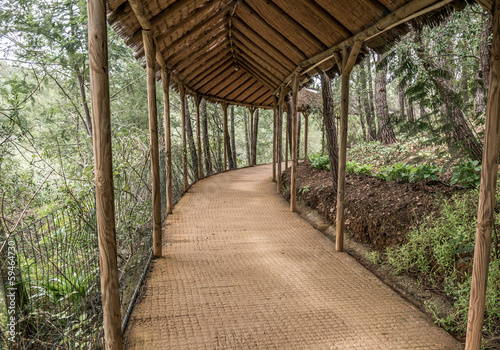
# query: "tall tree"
x,y
190,138
371,100
367,104
386,133
206,143
255,131
330,128
401,101
484,61
460,133
233,138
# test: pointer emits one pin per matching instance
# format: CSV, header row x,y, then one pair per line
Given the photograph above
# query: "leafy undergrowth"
x,y
418,226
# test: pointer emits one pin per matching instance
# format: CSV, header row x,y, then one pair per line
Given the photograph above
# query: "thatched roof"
x,y
241,51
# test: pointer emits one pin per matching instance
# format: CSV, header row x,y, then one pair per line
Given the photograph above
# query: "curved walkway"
x,y
242,272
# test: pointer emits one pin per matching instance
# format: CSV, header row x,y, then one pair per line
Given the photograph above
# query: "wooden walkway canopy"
x,y
253,53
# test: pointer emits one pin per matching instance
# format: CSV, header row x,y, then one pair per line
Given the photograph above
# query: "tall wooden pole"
x,y
150,52
103,170
198,136
165,79
280,140
275,120
182,94
252,111
306,133
293,176
487,191
225,131
348,60
287,141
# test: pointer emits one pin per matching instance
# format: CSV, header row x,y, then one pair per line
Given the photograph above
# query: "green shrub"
x,y
396,172
424,172
468,174
320,162
354,168
440,252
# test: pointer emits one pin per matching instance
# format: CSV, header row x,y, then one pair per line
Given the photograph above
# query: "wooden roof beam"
x,y
257,74
199,82
225,83
188,62
257,39
280,20
203,74
259,95
233,85
188,34
242,50
248,45
264,71
242,87
213,37
210,84
405,13
196,70
325,27
243,95
252,15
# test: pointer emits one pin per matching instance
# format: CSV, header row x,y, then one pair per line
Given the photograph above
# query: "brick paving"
x,y
242,272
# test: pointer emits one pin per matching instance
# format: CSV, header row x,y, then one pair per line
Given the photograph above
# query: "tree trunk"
x,y
372,132
206,143
329,127
88,118
385,132
233,138
322,139
484,62
192,145
371,104
411,112
401,98
247,138
255,129
461,134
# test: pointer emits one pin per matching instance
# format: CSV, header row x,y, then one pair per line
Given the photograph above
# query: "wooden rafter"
x,y
242,87
243,95
235,83
198,83
281,21
259,61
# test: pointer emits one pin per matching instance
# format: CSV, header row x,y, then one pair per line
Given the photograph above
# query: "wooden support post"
x,y
182,94
150,52
287,141
225,131
103,170
165,80
487,191
348,60
280,139
293,175
198,136
306,133
252,111
275,120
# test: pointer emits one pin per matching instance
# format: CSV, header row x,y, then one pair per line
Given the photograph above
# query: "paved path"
x,y
242,272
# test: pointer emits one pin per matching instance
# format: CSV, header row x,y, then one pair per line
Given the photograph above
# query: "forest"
x,y
416,116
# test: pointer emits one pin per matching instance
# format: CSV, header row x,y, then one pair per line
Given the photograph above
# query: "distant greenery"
x,y
355,168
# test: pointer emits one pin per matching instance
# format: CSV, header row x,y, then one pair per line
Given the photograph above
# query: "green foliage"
x,y
355,168
468,174
440,252
424,172
396,172
409,173
304,189
320,162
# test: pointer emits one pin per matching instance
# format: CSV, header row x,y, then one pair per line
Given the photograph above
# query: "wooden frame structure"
x,y
252,53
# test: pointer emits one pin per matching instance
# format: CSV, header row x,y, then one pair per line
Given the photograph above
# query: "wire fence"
x,y
50,268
